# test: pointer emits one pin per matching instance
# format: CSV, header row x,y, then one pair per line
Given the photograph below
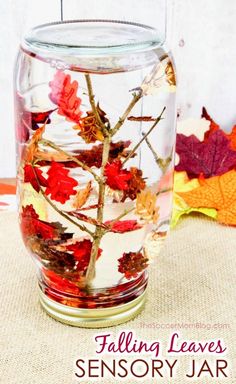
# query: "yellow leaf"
x,y
180,206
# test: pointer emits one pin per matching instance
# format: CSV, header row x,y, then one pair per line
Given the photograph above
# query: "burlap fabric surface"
x,y
192,281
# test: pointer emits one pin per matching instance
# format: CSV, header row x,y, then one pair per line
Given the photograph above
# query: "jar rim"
x,y
90,37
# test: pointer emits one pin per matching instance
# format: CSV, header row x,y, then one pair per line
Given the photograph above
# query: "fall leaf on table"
x,y
64,95
211,157
217,192
180,206
146,206
59,185
194,126
132,263
82,196
161,78
232,138
213,125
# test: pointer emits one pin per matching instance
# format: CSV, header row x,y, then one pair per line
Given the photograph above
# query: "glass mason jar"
x,y
95,128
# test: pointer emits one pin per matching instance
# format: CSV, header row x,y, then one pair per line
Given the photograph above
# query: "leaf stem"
x,y
144,137
122,119
90,273
162,163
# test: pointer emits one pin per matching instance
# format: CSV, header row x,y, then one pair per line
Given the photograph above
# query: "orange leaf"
x,y
217,192
82,196
232,137
33,144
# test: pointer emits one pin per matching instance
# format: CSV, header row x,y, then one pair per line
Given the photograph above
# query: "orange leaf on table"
x,y
232,137
217,192
213,125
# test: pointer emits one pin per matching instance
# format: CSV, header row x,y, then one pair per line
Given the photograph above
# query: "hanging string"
x,y
62,16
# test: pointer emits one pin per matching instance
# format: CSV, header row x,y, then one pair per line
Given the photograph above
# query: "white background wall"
x,y
203,41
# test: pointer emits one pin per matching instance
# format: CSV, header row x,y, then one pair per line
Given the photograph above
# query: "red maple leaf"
x,y
32,226
40,118
210,157
81,252
213,125
123,226
26,120
132,263
93,157
64,94
29,177
116,177
59,184
135,185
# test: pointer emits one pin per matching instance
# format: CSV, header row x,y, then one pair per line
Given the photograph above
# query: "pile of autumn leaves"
x,y
205,174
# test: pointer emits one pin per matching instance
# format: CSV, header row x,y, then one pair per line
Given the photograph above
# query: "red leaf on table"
x,y
29,177
211,157
81,252
116,177
64,94
123,226
59,185
213,125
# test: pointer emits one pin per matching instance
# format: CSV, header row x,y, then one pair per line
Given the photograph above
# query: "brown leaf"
x,y
82,196
170,74
33,144
86,218
141,118
146,206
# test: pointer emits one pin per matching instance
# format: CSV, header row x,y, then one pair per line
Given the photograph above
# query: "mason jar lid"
x,y
90,37
89,45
